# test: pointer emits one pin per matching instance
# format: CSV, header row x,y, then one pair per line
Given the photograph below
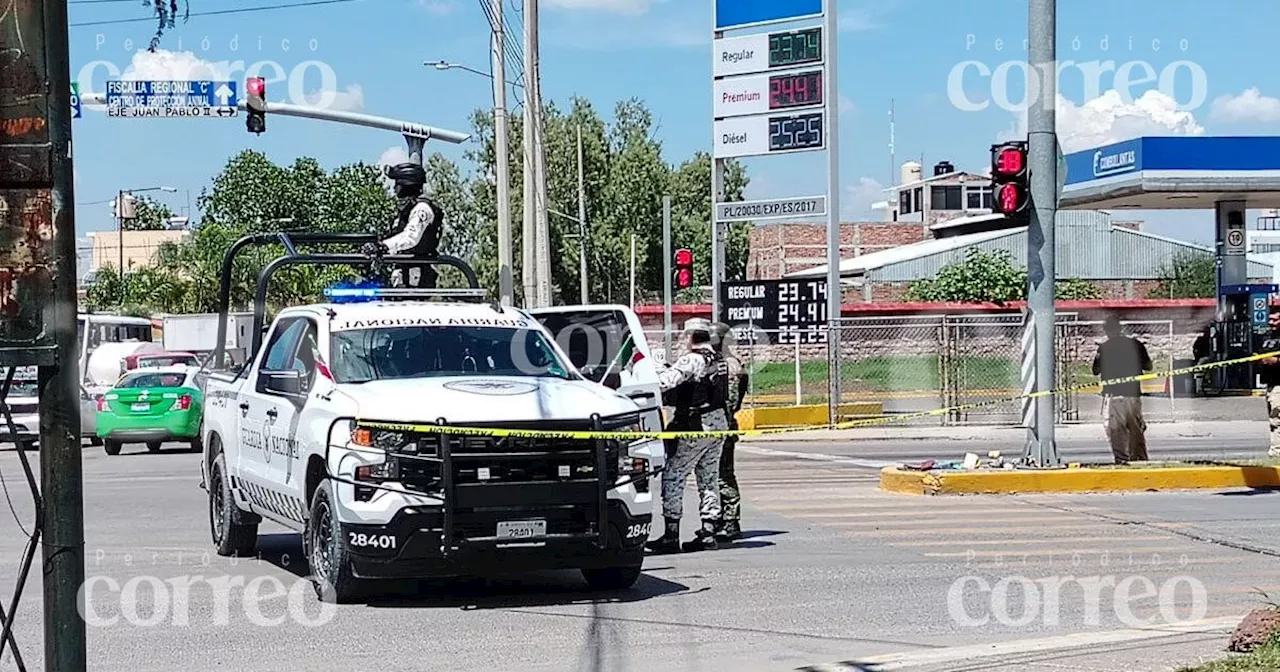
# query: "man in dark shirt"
x,y
1269,372
1122,357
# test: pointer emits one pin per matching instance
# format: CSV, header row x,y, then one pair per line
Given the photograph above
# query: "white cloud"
x,y
392,156
1250,105
856,20
349,100
165,65
847,106
857,199
631,7
1108,119
439,7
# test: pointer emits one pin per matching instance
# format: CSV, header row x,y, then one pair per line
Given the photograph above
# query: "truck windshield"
x,y
363,355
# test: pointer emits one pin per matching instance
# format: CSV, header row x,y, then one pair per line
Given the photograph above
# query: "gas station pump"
x,y
1242,330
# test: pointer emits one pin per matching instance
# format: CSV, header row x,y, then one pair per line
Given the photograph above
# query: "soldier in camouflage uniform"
x,y
697,386
730,527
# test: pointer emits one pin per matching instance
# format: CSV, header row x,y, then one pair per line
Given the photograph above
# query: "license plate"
x,y
141,408
522,529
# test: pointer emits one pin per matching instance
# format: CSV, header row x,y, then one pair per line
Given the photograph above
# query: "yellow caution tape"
x,y
708,434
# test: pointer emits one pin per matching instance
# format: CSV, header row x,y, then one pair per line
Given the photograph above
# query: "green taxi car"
x,y
151,406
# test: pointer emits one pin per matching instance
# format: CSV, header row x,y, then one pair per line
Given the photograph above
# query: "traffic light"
x,y
256,104
1010,180
684,269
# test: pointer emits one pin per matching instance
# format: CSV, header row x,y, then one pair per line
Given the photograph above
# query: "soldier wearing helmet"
x,y
697,386
730,527
417,227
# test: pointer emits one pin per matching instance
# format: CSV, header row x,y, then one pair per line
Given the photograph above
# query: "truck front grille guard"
x,y
445,459
22,441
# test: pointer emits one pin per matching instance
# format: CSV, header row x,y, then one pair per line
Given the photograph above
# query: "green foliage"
x,y
990,277
625,178
1190,275
166,12
149,215
982,277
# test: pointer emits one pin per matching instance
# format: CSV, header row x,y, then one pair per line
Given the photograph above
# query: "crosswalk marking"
x,y
1046,540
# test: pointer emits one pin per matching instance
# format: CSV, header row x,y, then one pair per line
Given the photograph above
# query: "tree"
x,y
166,12
149,215
1190,275
990,277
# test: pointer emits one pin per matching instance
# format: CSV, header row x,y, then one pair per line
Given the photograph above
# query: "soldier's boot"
x,y
729,531
704,539
669,542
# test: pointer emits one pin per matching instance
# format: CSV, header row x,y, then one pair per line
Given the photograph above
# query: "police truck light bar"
x,y
1010,179
256,105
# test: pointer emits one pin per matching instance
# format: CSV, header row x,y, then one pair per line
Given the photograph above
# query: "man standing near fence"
x,y
1269,373
730,498
1119,357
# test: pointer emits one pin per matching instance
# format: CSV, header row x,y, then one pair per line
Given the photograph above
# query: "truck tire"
x,y
327,555
230,536
154,446
112,447
95,441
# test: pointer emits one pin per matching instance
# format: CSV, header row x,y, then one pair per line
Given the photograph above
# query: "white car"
x,y
300,437
23,402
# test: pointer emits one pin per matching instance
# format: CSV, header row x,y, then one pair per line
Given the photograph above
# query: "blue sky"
x,y
659,51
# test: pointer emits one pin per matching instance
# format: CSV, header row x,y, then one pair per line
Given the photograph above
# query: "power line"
x,y
241,10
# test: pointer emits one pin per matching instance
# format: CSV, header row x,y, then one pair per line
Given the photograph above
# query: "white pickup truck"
x,y
295,438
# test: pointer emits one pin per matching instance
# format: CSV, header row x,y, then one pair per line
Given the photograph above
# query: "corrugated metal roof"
x,y
1088,247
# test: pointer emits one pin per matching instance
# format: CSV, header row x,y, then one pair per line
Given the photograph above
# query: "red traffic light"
x,y
684,258
1010,198
256,86
684,278
1010,161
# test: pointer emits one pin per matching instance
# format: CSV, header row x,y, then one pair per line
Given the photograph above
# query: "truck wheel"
x,y
230,537
95,441
612,578
330,562
112,447
197,446
154,446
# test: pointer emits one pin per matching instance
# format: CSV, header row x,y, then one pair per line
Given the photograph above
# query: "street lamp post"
x,y
120,217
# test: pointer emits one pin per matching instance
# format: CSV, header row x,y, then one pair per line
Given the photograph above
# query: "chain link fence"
x,y
970,364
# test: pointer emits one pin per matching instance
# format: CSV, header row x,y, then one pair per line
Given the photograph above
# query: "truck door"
x,y
260,412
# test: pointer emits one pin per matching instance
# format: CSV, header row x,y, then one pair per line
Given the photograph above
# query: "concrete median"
x,y
809,415
1150,476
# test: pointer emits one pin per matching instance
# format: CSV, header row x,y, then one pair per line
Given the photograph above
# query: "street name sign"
x,y
778,208
140,98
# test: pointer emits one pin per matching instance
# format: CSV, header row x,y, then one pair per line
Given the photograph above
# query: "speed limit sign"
x,y
1235,238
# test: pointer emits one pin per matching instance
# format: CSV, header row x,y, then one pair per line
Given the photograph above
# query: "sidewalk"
x,y
1249,429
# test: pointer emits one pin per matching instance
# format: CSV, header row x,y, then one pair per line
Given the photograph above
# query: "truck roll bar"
x,y
290,242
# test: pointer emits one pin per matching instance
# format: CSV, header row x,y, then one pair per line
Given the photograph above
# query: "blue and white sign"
x,y
1260,311
76,111
733,14
171,99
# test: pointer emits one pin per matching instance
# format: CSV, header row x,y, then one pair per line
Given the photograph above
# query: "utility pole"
x,y
666,277
1043,162
582,222
542,253
528,238
506,288
61,471
120,241
834,293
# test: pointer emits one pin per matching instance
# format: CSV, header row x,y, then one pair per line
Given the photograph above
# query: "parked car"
x,y
152,406
23,402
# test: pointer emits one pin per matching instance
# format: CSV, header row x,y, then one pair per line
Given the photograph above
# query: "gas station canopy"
x,y
1174,173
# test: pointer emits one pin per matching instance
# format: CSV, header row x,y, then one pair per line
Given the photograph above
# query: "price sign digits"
x,y
795,48
803,131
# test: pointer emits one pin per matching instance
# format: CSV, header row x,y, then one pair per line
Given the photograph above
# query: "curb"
x,y
812,415
1084,479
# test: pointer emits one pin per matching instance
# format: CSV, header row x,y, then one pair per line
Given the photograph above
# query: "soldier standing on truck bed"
x,y
416,229
697,386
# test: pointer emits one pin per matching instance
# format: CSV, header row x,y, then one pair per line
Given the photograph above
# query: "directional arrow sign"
x,y
224,95
138,98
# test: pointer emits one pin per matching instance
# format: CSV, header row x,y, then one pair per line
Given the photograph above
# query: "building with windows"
x,y
947,194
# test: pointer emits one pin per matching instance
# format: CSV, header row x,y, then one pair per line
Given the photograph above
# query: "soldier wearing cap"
x,y
730,528
697,387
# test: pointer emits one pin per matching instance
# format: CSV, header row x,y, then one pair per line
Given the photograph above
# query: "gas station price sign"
x,y
798,47
788,311
795,90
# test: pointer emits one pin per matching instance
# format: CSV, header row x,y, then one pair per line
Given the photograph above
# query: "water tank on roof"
x,y
943,168
911,172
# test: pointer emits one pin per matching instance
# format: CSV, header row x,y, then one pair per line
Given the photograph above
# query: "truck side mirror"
x,y
283,382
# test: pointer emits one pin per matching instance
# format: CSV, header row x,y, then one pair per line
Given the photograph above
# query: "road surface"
x,y
834,575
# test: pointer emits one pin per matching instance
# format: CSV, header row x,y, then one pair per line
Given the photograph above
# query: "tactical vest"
x,y
431,237
705,394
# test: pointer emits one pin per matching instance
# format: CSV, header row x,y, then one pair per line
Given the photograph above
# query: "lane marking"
x,y
1044,540
817,457
1086,552
896,661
